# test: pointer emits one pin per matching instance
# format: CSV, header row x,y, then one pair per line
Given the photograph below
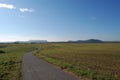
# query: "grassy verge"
x,y
10,61
94,61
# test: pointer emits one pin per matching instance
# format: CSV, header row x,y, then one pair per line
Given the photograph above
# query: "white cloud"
x,y
93,18
9,6
26,10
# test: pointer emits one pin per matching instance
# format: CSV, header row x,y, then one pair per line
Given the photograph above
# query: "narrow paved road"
x,y
37,69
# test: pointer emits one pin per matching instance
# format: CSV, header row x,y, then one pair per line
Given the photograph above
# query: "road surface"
x,y
37,69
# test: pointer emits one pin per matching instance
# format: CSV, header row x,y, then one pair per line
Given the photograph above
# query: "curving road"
x,y
37,69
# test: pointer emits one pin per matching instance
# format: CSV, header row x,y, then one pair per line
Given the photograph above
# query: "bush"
x,y
1,51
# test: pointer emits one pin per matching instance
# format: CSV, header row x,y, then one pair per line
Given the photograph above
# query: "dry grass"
x,y
103,59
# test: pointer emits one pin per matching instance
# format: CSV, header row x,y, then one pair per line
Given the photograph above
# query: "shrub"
x,y
1,51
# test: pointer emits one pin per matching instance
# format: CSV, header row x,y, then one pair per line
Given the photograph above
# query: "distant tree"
x,y
16,42
32,43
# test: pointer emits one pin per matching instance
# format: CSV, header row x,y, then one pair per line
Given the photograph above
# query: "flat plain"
x,y
99,61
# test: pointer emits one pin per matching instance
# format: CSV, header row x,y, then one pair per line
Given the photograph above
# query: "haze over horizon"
x,y
59,20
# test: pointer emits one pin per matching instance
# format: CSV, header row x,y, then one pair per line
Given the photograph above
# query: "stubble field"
x,y
94,61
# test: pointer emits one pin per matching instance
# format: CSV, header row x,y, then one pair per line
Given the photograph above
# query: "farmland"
x,y
94,61
91,61
11,60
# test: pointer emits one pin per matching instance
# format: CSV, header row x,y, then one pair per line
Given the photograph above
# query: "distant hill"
x,y
31,41
93,41
87,41
70,41
37,41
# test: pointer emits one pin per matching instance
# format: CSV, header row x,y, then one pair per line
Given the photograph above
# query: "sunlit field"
x,y
91,61
94,61
11,60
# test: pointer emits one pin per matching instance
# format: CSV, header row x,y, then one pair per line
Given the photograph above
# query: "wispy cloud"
x,y
93,18
26,10
8,6
11,6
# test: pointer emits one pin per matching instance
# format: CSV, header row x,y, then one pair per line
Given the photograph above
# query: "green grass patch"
x,y
10,62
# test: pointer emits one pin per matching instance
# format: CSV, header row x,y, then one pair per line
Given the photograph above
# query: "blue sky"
x,y
59,20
